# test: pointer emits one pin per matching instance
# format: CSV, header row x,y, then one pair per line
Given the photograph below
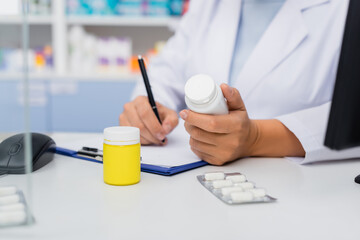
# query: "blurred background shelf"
x,y
19,76
53,24
36,20
140,21
130,77
68,93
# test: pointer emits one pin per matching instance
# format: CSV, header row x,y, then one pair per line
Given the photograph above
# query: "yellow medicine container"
x,y
121,160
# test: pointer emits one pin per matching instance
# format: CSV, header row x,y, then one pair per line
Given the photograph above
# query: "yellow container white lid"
x,y
121,135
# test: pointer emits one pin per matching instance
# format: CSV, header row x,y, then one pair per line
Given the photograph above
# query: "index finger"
x,y
150,121
209,123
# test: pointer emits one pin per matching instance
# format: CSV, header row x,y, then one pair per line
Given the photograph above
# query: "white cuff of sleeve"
x,y
309,126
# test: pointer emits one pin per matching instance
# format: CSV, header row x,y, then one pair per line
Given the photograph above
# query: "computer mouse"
x,y
12,153
357,179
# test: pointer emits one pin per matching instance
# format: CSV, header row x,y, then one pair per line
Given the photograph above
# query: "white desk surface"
x,y
71,201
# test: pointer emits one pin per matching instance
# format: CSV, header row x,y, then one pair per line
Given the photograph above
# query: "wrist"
x,y
254,138
273,139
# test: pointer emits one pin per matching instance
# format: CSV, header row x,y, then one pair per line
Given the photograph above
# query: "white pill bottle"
x,y
203,95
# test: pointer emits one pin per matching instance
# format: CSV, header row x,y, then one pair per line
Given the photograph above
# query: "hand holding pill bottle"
x,y
218,124
121,159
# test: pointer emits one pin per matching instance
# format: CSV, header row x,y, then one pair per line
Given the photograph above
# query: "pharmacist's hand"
x,y
139,113
218,139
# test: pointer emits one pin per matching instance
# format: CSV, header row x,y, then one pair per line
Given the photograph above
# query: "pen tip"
x,y
139,57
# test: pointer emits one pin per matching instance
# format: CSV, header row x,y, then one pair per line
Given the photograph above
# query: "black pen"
x,y
148,88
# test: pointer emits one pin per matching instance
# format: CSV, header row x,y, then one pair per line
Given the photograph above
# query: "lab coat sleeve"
x,y
309,126
166,72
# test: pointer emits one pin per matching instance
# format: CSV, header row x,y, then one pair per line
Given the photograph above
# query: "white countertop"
x,y
71,201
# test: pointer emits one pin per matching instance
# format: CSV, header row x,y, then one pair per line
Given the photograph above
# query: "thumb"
x,y
233,98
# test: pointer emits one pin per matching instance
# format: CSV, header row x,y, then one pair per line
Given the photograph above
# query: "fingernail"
x,y
160,136
183,114
167,128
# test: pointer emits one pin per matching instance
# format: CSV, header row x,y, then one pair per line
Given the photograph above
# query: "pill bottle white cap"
x,y
200,89
121,135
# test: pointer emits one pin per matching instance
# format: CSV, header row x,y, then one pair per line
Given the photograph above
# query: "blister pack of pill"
x,y
233,188
13,208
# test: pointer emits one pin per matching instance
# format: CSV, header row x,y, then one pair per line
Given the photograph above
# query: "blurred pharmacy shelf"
x,y
130,77
142,21
100,77
62,99
54,29
19,76
38,20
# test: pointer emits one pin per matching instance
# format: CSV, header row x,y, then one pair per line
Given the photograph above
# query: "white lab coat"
x,y
289,75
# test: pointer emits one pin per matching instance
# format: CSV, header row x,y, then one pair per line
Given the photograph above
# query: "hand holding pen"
x,y
154,120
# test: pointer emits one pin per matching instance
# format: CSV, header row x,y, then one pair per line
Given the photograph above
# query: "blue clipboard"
x,y
165,171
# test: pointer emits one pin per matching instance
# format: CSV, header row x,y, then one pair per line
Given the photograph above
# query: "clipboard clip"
x,y
92,153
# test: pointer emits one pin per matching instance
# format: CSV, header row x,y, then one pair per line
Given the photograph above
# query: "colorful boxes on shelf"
x,y
126,7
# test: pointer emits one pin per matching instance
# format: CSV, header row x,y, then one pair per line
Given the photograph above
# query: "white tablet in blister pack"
x,y
233,188
13,208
